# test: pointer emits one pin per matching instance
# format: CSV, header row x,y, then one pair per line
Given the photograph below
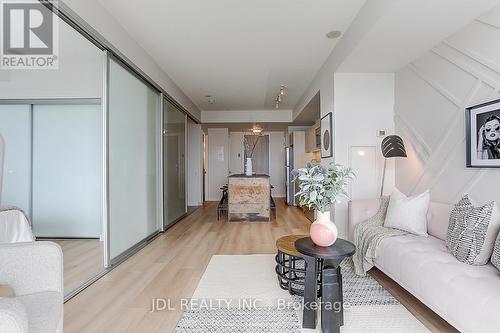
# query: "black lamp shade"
x,y
393,146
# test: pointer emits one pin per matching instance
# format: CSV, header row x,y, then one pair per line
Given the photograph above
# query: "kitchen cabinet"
x,y
313,138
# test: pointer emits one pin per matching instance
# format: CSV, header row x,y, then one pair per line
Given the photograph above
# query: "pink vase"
x,y
323,232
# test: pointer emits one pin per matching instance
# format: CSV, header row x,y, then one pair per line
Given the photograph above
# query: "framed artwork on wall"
x,y
326,136
482,124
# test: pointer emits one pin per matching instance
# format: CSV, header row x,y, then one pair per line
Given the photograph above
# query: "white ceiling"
x,y
240,52
407,29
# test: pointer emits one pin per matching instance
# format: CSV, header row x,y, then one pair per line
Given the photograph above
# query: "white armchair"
x,y
34,270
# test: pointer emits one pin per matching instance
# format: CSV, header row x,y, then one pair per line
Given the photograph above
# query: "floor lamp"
x,y
392,146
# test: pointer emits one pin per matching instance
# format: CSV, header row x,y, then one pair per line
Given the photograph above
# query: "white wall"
x,y
236,153
98,18
194,164
299,149
276,158
431,94
248,116
217,162
363,104
80,72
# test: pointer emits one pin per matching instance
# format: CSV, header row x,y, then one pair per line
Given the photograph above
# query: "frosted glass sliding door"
x,y
15,127
67,171
133,113
174,164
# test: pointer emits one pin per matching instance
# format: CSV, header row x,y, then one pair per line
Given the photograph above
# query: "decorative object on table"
x,y
248,170
249,143
332,317
326,136
392,146
482,125
408,213
472,231
320,188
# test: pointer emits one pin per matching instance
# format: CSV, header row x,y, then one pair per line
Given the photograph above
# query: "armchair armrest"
x,y
360,211
31,267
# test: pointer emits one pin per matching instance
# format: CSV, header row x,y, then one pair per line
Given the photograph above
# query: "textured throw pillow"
x,y
408,213
472,231
495,257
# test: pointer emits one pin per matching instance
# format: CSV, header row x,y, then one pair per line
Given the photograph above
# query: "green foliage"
x,y
321,187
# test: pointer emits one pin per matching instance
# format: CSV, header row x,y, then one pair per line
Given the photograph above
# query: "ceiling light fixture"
x,y
282,90
333,34
279,97
210,99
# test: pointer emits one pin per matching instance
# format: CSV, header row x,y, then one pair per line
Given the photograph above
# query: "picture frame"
x,y
326,136
482,125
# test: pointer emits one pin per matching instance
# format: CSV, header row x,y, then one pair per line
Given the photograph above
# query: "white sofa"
x,y
34,270
467,297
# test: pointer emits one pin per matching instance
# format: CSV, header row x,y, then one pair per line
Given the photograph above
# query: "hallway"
x,y
170,268
172,265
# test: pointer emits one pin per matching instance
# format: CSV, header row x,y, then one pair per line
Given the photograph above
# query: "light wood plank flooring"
x,y
172,265
82,258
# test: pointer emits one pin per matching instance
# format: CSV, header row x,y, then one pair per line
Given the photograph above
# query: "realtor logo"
x,y
29,36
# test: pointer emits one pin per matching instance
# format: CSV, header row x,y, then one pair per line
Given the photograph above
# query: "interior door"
x,y
67,171
364,164
174,165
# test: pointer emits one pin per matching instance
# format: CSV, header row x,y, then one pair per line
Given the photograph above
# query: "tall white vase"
x,y
249,170
323,232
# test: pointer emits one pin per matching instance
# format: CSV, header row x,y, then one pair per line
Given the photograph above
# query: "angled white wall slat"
x,y
461,71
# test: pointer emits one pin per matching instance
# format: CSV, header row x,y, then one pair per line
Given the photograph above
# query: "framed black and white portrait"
x,y
483,135
326,136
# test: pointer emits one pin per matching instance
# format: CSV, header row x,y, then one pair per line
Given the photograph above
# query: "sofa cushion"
x,y
438,218
495,257
44,310
408,213
13,317
468,297
472,231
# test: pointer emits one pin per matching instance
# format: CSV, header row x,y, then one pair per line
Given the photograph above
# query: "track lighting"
x,y
280,96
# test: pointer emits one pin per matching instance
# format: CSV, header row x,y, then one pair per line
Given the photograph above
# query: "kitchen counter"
x,y
249,198
242,175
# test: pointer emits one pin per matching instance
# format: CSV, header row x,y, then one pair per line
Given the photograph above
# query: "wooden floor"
x,y
82,258
172,265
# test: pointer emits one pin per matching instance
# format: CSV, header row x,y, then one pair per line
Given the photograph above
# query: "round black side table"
x,y
332,312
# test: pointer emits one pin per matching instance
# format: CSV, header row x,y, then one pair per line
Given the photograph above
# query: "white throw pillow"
x,y
408,213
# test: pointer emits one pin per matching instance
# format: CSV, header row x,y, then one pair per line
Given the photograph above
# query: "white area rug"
x,y
244,296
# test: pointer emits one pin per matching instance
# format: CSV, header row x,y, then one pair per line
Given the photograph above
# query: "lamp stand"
x,y
383,178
